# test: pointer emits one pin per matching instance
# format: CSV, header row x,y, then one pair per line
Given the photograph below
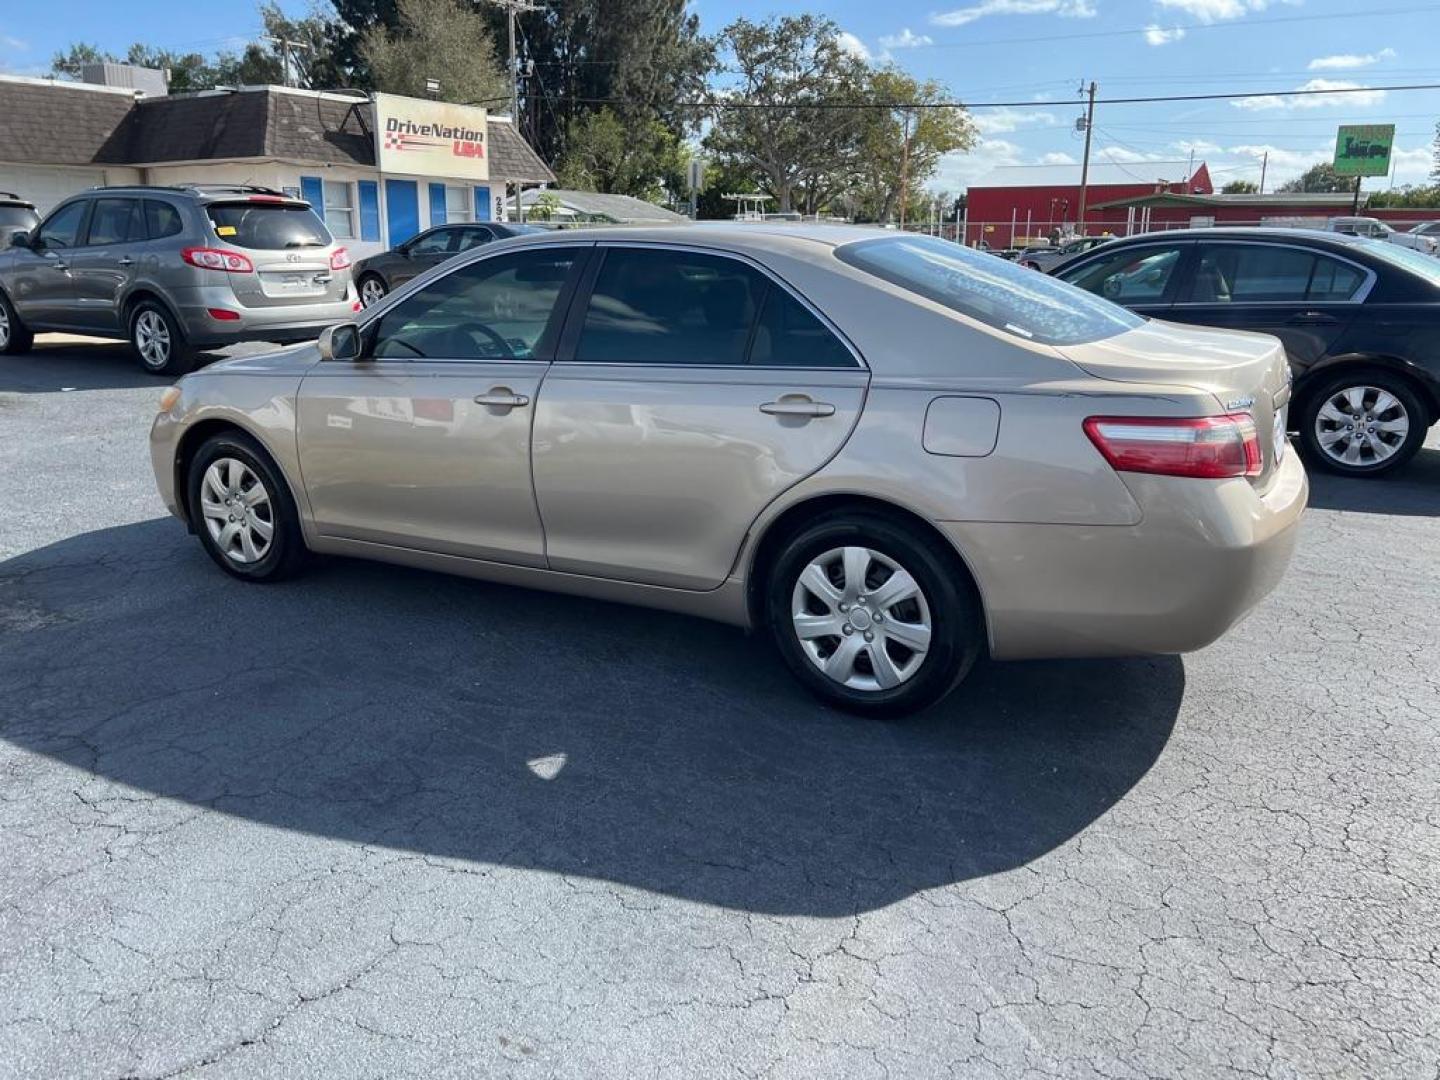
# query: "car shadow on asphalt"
x,y
508,728
53,367
1412,491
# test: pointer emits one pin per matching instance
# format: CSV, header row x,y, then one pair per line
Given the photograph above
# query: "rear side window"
x,y
162,220
15,218
267,226
991,290
1256,273
116,221
790,336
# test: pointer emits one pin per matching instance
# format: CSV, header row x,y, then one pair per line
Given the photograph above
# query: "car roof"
x,y
9,198
1318,237
724,234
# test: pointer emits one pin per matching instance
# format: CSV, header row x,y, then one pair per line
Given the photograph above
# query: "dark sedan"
x,y
379,274
1360,320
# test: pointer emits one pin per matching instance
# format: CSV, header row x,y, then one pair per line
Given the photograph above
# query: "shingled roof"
x,y
60,124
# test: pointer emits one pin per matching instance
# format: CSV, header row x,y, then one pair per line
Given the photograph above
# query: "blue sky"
x,y
1014,50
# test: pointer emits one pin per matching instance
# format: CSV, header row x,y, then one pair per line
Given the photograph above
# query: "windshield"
x,y
998,293
267,226
14,218
1417,262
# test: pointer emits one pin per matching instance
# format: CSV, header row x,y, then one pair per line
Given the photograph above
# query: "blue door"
x,y
402,206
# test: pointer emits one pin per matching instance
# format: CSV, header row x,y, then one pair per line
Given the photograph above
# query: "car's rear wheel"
x,y
372,289
158,340
870,616
14,337
242,509
1363,424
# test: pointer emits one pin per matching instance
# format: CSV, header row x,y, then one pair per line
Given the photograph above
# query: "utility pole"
x,y
1264,164
285,46
512,9
1085,164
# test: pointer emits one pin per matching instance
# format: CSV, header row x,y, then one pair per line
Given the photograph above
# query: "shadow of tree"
x,y
393,707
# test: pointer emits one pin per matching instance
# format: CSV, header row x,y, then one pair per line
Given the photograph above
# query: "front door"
x,y
1142,277
104,265
43,278
402,210
692,391
1303,297
425,442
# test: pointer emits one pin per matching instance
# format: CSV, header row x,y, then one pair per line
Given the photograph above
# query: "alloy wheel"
x,y
1361,426
372,291
152,339
4,327
861,618
237,510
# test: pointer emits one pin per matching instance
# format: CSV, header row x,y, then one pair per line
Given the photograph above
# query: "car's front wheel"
x,y
372,289
242,509
872,617
1362,424
158,340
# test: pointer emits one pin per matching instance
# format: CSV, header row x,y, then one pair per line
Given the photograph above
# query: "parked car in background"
x,y
376,276
16,215
722,420
1049,257
1375,229
175,269
1360,320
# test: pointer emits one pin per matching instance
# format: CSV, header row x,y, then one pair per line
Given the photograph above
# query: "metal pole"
x,y
1085,164
1264,164
1355,202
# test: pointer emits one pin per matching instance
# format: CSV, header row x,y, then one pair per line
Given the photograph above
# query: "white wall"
x,y
47,185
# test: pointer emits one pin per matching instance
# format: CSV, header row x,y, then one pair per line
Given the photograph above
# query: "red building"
x,y
1033,201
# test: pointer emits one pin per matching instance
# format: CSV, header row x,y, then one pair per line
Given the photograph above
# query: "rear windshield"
x,y
18,217
1417,262
267,227
992,290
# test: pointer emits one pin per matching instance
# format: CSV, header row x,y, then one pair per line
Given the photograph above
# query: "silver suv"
x,y
173,270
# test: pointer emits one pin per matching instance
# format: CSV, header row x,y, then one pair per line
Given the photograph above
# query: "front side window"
x,y
670,307
267,226
116,221
63,227
991,290
162,220
495,309
1132,276
339,215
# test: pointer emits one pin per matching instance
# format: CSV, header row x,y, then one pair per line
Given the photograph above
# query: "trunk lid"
x,y
289,247
1244,372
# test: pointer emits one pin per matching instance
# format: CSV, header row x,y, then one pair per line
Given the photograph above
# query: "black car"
x,y
1360,320
16,215
379,274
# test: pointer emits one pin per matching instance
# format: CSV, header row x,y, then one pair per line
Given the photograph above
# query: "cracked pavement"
x,y
376,822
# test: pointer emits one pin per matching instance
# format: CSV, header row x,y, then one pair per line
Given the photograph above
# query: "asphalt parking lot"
x,y
377,822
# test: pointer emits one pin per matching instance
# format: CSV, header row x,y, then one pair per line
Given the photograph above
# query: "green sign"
x,y
1364,149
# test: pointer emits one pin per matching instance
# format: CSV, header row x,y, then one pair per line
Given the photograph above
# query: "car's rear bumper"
x,y
1204,553
282,324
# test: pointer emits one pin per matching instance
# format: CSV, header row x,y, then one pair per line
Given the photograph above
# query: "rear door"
x,y
692,389
104,266
288,245
1304,297
1142,277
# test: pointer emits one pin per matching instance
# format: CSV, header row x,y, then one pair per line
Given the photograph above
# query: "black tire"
x,y
17,337
177,357
1370,382
954,613
286,553
373,281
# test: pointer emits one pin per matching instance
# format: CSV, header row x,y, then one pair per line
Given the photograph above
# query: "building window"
x,y
457,205
339,210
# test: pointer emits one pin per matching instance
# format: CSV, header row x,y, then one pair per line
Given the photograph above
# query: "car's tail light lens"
x,y
1203,446
231,262
340,259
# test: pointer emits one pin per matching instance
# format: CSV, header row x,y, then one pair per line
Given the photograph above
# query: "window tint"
x,y
162,220
990,289
1137,275
1333,280
116,221
64,225
267,226
496,309
1254,273
436,243
670,307
470,238
790,336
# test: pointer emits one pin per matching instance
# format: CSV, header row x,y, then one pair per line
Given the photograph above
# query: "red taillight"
x,y
223,314
1203,446
356,305
340,260
232,262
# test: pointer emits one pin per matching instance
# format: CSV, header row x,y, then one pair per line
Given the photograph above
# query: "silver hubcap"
x,y
861,618
237,511
4,327
152,339
1361,425
371,291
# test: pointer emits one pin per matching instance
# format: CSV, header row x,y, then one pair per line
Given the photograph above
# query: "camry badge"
x,y
1240,403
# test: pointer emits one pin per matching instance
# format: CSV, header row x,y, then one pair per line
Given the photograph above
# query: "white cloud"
x,y
906,39
1358,97
1000,121
14,43
1349,61
1057,157
960,170
1158,35
852,45
1196,146
1210,11
1070,9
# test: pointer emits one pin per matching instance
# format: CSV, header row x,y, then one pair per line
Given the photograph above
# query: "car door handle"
x,y
798,406
503,398
127,261
58,265
1313,318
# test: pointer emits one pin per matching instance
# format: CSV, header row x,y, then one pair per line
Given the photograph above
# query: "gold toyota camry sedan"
x,y
888,452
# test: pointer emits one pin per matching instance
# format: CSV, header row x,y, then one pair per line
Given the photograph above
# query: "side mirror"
x,y
20,239
340,342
